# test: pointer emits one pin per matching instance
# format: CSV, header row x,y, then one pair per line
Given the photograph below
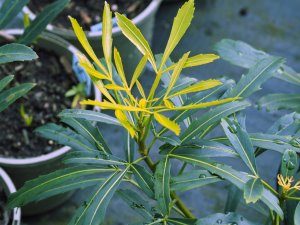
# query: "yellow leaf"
x,y
136,37
181,23
121,116
108,105
103,90
119,65
176,73
85,44
196,60
201,86
169,104
140,88
107,36
202,105
115,87
138,71
164,121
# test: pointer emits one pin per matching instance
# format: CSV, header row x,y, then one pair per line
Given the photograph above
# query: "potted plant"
x,y
36,159
7,217
144,20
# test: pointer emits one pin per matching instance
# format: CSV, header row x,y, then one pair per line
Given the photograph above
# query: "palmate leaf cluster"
x,y
151,186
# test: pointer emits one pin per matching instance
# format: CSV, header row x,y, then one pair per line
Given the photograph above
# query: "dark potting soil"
x,y
4,217
43,102
89,12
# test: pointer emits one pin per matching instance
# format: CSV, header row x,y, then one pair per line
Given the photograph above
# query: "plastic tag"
x,y
82,75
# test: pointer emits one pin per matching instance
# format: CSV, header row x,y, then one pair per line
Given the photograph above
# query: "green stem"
x,y
151,165
269,187
293,198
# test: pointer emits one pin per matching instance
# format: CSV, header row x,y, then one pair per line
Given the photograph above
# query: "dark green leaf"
x,y
5,81
9,10
144,179
286,125
257,75
41,21
9,96
289,163
65,136
241,142
274,102
244,55
137,203
88,131
239,179
201,148
16,52
89,115
193,179
129,148
57,182
170,139
253,190
211,117
92,157
229,218
162,185
93,210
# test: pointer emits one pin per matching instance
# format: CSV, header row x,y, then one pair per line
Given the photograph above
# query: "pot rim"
x,y
10,188
115,30
61,151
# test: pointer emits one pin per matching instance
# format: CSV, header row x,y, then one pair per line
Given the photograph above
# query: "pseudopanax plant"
x,y
152,188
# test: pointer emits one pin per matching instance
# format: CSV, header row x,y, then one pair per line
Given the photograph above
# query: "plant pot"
x,y
9,188
22,170
131,56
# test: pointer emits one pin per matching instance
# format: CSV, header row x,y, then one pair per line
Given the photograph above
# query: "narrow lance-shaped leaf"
x,y
164,121
129,148
180,25
5,81
16,52
85,44
64,136
144,179
138,71
211,118
182,221
89,115
107,35
297,215
9,10
41,21
176,73
162,185
137,203
241,54
135,36
274,102
93,211
57,182
9,96
193,179
196,60
256,76
119,66
253,190
240,140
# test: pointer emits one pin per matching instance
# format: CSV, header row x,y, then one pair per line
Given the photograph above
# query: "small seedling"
x,y
26,117
78,94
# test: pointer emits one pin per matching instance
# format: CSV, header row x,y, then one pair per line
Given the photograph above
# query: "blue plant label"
x,y
82,75
98,27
